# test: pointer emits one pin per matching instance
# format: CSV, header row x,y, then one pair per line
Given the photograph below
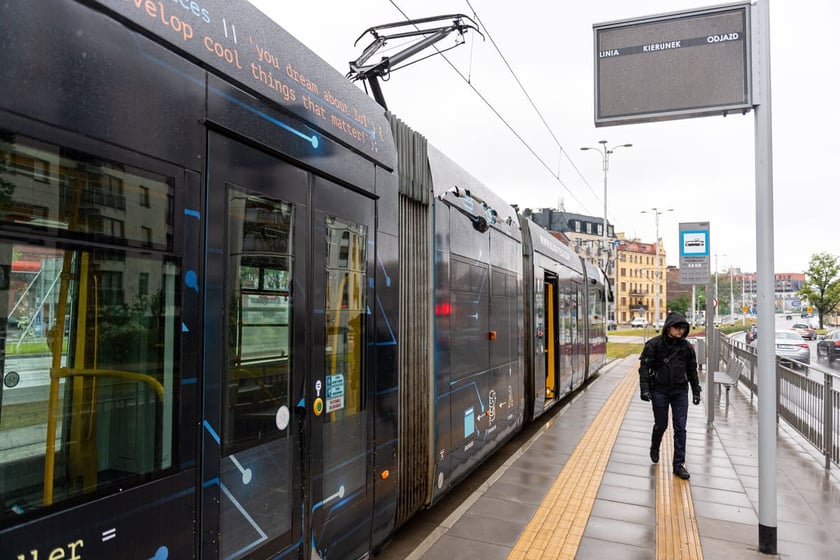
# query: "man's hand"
x,y
644,390
695,391
696,398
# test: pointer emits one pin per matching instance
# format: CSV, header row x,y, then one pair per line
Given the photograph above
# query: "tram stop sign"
x,y
694,253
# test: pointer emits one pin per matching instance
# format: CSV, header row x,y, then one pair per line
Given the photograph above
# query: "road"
x,y
786,324
781,324
34,373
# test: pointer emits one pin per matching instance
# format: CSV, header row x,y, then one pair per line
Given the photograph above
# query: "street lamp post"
x,y
731,300
744,296
605,152
716,285
656,213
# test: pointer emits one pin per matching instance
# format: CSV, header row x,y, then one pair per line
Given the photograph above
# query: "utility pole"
x,y
605,161
657,212
731,300
716,286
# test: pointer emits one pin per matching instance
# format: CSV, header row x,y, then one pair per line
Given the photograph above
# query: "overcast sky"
x,y
701,168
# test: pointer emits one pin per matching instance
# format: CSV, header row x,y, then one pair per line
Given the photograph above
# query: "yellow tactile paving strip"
x,y
677,537
555,531
557,527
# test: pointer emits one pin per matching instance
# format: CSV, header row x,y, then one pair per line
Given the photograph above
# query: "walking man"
x,y
668,367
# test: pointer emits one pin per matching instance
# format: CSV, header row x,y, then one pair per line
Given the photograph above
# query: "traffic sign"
x,y
694,253
745,308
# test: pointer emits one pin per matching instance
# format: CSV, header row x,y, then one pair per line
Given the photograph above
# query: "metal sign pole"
x,y
712,356
767,506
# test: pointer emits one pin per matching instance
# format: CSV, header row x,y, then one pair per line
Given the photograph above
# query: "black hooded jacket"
x,y
669,364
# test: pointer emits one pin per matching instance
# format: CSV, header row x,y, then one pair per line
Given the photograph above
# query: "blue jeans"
x,y
678,401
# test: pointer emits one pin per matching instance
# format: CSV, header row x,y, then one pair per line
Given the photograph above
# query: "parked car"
x,y
829,346
752,334
658,324
611,325
639,323
791,348
805,330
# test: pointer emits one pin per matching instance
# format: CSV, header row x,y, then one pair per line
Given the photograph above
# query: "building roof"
x,y
636,247
554,219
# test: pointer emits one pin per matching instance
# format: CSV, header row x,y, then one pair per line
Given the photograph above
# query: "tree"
x,y
822,284
680,304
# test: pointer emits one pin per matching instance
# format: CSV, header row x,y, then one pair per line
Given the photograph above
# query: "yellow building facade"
x,y
640,273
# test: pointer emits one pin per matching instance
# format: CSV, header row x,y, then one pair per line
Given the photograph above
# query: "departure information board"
x,y
673,66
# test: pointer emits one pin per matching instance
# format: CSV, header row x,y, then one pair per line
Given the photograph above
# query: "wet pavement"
x,y
486,515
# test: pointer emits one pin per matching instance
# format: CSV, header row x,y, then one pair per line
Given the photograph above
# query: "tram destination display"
x,y
672,66
241,42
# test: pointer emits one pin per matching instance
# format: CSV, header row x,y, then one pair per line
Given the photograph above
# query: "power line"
x,y
512,73
531,101
507,124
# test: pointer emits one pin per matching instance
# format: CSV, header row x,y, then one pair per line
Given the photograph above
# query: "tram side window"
x,y
87,343
259,329
345,317
597,307
345,310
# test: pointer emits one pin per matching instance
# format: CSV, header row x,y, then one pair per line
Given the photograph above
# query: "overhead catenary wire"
x,y
530,100
508,125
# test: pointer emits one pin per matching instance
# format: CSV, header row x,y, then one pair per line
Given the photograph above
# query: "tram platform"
x,y
583,486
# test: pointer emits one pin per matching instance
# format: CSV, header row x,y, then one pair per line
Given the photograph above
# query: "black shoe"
x,y
654,455
681,472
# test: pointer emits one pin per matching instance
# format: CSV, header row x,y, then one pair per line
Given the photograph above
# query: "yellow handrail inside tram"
x,y
149,380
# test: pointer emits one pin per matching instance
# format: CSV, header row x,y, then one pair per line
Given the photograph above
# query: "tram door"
x,y
576,325
551,338
565,336
342,323
285,425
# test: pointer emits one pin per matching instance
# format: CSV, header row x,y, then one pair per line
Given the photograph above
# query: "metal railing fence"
x,y
807,397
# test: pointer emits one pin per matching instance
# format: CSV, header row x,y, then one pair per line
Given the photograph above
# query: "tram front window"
x,y
89,333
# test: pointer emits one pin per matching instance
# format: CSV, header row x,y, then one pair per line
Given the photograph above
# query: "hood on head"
x,y
674,319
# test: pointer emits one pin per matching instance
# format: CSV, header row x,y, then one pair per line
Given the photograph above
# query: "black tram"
x,y
246,312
